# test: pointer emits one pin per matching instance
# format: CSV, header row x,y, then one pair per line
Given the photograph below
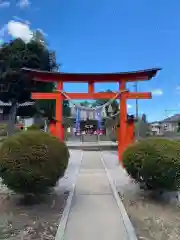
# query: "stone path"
x,y
90,144
120,177
95,213
66,183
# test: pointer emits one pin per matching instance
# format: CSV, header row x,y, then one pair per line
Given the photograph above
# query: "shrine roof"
x,y
133,76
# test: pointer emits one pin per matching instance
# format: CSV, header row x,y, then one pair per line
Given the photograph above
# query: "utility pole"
x,y
169,111
137,107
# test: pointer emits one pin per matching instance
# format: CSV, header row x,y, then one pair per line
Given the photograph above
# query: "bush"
x,y
155,162
3,126
3,130
33,127
31,162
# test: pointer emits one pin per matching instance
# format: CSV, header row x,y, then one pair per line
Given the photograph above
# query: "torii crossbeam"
x,y
91,79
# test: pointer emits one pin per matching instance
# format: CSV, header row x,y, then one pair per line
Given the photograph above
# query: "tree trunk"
x,y
12,118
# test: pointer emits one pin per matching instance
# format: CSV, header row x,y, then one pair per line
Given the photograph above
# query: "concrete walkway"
x,y
66,183
94,213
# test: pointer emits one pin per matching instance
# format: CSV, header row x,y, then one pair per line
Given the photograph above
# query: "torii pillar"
x,y
122,130
59,111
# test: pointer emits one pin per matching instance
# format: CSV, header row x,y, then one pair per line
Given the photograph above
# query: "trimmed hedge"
x,y
32,161
3,130
33,127
154,162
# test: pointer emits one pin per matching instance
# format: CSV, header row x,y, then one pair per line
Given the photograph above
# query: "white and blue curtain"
x,y
98,117
77,120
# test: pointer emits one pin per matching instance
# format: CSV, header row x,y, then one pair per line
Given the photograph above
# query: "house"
x,y
170,124
24,109
156,128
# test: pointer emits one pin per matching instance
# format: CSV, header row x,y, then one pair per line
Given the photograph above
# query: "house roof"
x,y
174,118
8,104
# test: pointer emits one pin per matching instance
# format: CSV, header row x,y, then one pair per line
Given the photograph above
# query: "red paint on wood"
x,y
59,112
123,118
45,76
134,95
126,130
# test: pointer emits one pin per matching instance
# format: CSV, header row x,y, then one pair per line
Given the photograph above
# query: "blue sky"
x,y
108,36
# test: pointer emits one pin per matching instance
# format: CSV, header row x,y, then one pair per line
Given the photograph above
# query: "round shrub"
x,y
3,130
32,161
33,127
154,162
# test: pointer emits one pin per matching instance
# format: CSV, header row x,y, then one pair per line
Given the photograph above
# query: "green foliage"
x,y
114,104
33,127
142,128
178,129
3,126
15,55
15,85
49,106
66,109
31,162
155,162
3,130
85,103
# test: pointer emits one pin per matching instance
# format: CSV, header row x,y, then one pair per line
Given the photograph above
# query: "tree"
x,y
15,86
66,108
142,127
48,106
85,103
114,104
178,128
38,36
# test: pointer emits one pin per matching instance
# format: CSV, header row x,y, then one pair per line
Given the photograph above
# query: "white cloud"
x,y
23,3
157,92
21,20
4,4
129,106
3,30
19,30
42,32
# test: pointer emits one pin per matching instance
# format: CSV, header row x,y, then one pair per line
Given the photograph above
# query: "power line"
x,y
170,110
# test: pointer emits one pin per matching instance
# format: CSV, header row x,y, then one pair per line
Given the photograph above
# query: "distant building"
x,y
5,107
84,114
170,124
25,109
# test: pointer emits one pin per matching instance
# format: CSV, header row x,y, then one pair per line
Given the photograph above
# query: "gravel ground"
x,y
39,221
30,222
153,219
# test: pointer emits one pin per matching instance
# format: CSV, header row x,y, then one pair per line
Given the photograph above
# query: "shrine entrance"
x,y
89,130
126,126
89,126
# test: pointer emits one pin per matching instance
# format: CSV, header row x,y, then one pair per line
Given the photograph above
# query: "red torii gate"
x,y
122,78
